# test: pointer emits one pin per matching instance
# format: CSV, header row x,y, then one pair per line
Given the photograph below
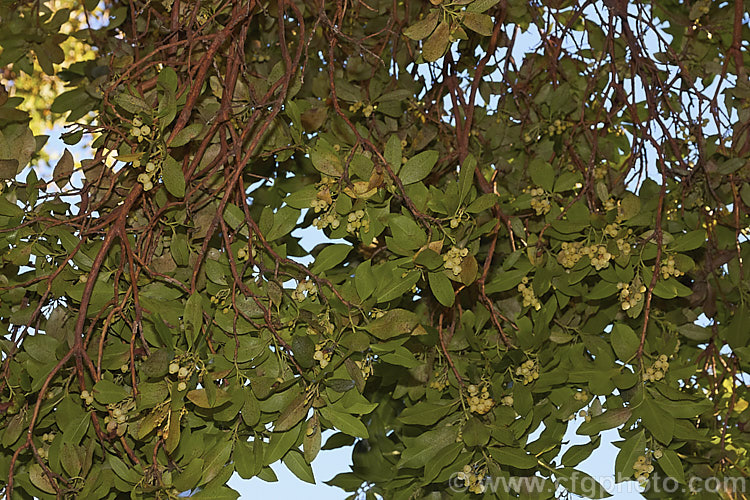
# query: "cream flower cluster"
x,y
668,268
630,294
529,299
356,221
322,355
479,402
656,371
643,468
304,289
453,258
539,201
472,479
440,380
529,370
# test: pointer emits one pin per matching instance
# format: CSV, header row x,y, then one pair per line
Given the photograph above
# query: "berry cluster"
x,y
585,415
599,256
139,130
119,418
612,229
472,479
600,171
529,370
656,371
440,381
557,127
668,268
453,258
365,366
581,396
325,220
479,402
570,253
322,354
304,289
643,468
540,201
356,221
220,299
366,110
87,397
529,299
183,372
242,254
319,205
147,178
624,245
630,294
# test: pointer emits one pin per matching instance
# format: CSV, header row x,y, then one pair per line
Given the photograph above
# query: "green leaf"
x,y
296,463
695,332
70,459
215,460
131,104
418,167
425,413
580,452
200,397
656,420
607,420
330,257
480,23
107,392
624,340
394,323
311,442
688,241
64,168
185,135
542,174
279,444
435,46
442,288
345,422
193,317
630,450
401,356
216,493
364,280
397,286
443,458
672,466
422,28
482,203
9,169
39,478
481,5
580,483
293,413
515,457
174,179
325,160
167,79
424,448
284,220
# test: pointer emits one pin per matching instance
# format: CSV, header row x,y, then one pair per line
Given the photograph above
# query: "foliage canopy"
x,y
526,209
